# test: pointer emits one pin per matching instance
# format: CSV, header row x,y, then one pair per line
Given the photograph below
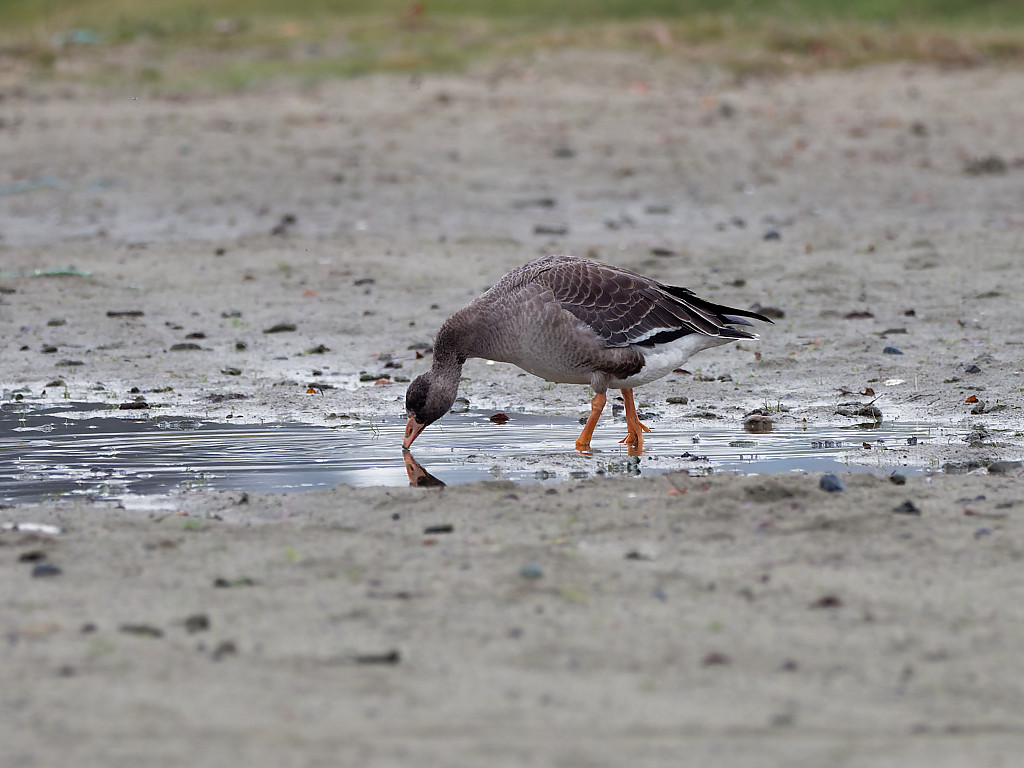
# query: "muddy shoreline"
x,y
667,620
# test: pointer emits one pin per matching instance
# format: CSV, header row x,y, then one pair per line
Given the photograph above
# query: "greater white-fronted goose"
x,y
574,321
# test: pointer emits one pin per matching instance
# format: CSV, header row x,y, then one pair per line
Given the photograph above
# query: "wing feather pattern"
x,y
625,309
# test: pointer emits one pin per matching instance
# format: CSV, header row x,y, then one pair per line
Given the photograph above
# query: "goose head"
x,y
429,397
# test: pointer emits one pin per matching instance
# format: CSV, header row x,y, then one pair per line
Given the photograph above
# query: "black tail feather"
x,y
728,314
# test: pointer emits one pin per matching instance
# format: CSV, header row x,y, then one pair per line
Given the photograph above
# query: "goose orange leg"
x,y
596,406
634,428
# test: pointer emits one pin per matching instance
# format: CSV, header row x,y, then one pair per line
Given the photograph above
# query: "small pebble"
x,y
387,658
972,368
531,571
897,479
281,328
892,351
42,570
716,659
772,234
758,424
199,622
677,400
225,648
982,532
828,601
143,630
907,508
831,483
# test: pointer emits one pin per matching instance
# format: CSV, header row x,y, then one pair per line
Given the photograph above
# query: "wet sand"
x,y
662,621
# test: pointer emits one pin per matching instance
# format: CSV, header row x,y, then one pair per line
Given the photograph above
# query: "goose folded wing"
x,y
623,308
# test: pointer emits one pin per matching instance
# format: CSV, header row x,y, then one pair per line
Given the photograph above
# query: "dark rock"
x,y
828,601
989,165
831,483
32,556
225,648
535,202
243,581
890,350
56,322
757,424
137,404
281,328
972,368
441,528
287,222
772,234
388,658
907,508
125,313
48,349
199,622
897,479
231,371
69,363
677,400
185,346
142,630
44,570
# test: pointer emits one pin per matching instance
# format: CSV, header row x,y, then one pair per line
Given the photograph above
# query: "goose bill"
x,y
412,429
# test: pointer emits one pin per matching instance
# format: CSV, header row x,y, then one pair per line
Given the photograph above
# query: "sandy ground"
x,y
747,621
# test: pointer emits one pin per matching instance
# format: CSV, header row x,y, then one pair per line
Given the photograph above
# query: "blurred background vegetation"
x,y
216,44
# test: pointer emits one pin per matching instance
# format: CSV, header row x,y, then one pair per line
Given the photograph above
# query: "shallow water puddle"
x,y
91,451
